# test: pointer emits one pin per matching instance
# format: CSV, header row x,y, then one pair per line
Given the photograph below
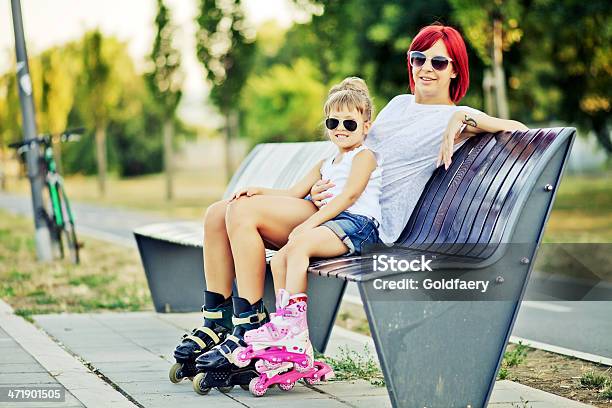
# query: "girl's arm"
x,y
299,190
362,167
463,125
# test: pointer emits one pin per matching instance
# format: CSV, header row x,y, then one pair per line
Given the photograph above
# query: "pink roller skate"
x,y
286,380
283,349
282,340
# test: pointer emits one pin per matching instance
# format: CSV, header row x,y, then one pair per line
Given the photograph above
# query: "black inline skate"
x,y
217,312
216,368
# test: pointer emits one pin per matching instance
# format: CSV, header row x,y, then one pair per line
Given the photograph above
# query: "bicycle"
x,y
56,212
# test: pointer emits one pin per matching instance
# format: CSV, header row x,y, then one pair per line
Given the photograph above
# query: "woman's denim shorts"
x,y
354,230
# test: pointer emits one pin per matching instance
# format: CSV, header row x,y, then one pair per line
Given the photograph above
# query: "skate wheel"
x,y
256,388
305,366
238,362
198,386
244,386
173,374
311,381
286,386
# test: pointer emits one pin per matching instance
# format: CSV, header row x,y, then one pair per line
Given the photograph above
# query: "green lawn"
x,y
582,210
108,278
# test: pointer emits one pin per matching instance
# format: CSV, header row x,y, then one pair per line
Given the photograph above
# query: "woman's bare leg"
x,y
218,260
251,220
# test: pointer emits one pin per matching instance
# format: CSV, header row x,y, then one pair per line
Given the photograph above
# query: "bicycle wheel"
x,y
68,230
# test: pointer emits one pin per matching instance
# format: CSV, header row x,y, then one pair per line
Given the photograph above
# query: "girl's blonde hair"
x,y
351,93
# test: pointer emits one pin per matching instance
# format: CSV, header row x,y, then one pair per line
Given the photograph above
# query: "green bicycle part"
x,y
55,203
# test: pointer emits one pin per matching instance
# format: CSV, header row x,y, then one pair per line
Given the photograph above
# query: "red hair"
x,y
455,46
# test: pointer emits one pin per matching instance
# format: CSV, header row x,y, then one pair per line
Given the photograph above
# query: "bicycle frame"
x,y
58,214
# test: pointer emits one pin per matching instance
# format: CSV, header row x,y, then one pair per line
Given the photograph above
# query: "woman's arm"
x,y
463,125
299,190
362,167
481,122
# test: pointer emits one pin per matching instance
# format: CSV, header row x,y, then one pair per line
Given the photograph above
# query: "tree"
x,y
58,71
99,97
285,104
165,82
491,28
573,46
225,48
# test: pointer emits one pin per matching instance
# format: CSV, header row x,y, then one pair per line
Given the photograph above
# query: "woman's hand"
x,y
452,135
246,192
318,192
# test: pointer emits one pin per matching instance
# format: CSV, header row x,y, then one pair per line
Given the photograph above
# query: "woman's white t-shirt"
x,y
407,136
368,203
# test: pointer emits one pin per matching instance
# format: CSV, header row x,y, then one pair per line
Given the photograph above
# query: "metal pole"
x,y
42,237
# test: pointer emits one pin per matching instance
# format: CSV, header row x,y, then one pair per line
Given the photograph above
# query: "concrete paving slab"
x,y
61,367
186,400
22,368
509,394
147,383
16,357
349,389
368,401
7,379
69,402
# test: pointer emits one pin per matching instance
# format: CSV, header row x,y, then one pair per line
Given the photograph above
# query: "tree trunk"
x,y
101,158
602,133
488,89
501,99
168,158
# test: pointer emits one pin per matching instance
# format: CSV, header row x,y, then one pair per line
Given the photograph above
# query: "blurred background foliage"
x,y
270,84
66,95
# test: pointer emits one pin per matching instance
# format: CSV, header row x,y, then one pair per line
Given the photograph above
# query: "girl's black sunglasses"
x,y
349,124
418,59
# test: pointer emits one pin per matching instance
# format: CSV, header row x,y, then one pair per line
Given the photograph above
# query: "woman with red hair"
x,y
415,133
410,134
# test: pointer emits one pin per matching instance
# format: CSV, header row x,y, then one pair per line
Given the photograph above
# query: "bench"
x,y
484,217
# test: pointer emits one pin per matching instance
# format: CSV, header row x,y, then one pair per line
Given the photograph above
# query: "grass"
x,y
594,380
513,356
108,278
351,365
582,210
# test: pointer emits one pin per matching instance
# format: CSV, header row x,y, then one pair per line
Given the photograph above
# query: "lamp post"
x,y
24,83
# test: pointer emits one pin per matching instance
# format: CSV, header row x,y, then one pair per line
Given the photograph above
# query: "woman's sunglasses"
x,y
349,124
418,59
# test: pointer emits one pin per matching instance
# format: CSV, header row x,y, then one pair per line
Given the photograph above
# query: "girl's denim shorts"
x,y
354,230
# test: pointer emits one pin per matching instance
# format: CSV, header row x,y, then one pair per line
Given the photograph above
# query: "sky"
x,y
54,22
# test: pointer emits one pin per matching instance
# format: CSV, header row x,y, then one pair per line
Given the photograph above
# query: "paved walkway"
x,y
132,351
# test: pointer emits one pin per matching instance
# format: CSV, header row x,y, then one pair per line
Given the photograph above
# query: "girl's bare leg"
x,y
218,261
251,220
318,242
278,265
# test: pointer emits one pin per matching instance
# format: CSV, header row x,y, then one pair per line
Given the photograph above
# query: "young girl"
x,y
347,220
